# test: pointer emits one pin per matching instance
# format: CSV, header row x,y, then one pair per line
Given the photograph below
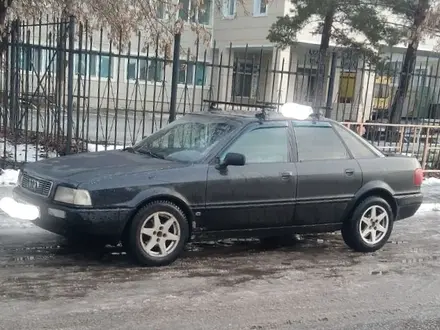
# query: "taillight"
x,y
418,177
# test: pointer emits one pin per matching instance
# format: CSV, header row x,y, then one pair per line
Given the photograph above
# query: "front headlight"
x,y
73,196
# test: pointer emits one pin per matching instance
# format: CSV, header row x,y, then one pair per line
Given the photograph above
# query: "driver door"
x,y
259,194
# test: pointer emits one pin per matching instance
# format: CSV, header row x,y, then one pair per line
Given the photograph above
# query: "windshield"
x,y
188,139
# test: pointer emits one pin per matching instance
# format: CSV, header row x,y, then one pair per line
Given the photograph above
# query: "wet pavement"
x,y
313,283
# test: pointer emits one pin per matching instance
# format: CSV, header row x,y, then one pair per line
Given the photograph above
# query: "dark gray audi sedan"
x,y
219,174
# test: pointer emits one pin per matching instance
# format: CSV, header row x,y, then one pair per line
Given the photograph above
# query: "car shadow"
x,y
309,246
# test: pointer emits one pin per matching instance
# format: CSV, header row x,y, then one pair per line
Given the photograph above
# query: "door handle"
x,y
286,175
349,171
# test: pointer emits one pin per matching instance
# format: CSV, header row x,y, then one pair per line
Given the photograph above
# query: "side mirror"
x,y
232,159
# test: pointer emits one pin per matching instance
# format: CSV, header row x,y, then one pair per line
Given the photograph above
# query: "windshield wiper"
x,y
151,153
129,149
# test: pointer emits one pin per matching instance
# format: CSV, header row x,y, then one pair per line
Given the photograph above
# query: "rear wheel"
x,y
158,234
370,226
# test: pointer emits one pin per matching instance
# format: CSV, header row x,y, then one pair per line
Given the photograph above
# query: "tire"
x,y
346,235
370,226
158,245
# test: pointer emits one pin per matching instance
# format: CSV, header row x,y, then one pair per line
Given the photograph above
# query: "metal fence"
x,y
66,88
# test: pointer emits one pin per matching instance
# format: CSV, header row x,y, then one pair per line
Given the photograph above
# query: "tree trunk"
x,y
408,62
322,58
4,5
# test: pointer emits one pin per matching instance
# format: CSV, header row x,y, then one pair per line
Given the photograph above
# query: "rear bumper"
x,y
70,221
407,205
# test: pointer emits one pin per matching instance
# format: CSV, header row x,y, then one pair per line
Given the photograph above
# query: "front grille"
x,y
37,186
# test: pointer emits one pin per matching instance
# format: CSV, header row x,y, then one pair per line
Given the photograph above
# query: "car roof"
x,y
252,115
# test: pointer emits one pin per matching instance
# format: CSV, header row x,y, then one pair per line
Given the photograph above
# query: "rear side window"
x,y
358,149
318,142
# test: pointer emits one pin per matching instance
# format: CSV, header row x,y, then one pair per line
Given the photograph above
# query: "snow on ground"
x,y
93,147
8,177
24,152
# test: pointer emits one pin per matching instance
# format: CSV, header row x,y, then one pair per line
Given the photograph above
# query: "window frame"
x,y
24,62
253,126
331,127
194,64
98,54
189,17
141,57
257,8
226,9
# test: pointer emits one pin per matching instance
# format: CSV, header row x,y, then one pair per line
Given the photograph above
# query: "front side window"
x,y
318,141
262,145
188,139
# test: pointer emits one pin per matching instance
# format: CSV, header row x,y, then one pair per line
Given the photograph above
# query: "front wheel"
x,y
371,225
158,234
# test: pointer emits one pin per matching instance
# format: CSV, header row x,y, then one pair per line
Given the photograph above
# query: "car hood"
x,y
85,167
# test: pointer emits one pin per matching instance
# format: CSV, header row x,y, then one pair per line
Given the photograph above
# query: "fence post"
x,y
15,76
331,87
70,78
174,78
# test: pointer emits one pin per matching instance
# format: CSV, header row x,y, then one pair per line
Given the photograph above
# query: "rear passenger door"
x,y
328,177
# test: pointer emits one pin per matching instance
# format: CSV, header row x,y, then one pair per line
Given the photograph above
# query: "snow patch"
x,y
8,177
24,153
91,147
431,181
429,207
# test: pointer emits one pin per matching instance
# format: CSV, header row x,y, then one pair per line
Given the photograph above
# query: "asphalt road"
x,y
314,283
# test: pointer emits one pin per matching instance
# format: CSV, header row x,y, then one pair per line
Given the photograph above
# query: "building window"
x,y
419,79
200,74
191,73
160,8
93,65
260,7
229,8
245,79
305,84
145,70
30,59
189,12
347,85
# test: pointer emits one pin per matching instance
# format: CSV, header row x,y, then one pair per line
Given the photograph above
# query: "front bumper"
x,y
407,205
71,221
